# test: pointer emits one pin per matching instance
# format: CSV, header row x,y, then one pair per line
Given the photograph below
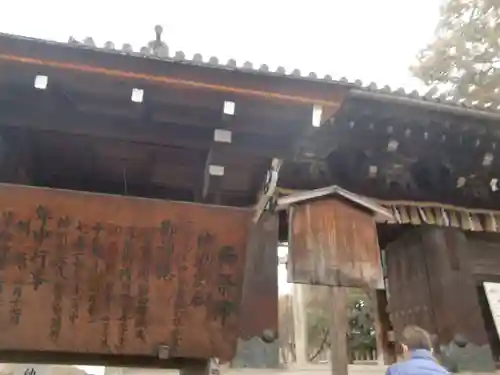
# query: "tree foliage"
x,y
464,58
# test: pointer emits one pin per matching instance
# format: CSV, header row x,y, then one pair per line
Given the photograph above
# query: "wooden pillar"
x,y
258,345
381,322
338,331
299,324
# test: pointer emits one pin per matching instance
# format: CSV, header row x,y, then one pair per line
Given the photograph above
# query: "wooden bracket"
x,y
268,190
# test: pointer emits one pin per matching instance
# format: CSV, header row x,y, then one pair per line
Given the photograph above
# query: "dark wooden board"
x,y
107,274
333,243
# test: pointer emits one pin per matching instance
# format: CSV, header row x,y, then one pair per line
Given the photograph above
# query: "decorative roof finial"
x,y
158,32
157,47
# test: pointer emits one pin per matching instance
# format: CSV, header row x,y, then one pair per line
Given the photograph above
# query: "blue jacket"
x,y
421,362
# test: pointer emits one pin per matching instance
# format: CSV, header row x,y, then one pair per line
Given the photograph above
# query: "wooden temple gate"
x,y
154,128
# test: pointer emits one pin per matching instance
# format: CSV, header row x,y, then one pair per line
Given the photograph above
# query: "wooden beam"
x,y
267,194
338,331
124,128
167,105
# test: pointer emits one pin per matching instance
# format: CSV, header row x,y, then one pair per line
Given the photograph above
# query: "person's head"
x,y
414,338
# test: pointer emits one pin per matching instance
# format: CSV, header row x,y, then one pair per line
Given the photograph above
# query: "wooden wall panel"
x,y
408,292
453,290
431,285
333,243
484,254
92,273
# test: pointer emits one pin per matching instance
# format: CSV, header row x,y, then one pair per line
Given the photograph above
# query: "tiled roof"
x,y
159,50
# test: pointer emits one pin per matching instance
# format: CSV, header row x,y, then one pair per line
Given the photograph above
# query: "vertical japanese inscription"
x,y
108,252
59,264
142,307
205,246
125,279
5,238
39,257
60,260
19,258
164,266
95,253
223,305
15,304
56,320
77,254
108,294
167,230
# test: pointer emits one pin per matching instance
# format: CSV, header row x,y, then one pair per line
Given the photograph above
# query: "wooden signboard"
x,y
333,243
91,273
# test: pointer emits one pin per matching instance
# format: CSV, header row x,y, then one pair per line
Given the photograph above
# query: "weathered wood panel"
x,y
258,345
484,255
408,292
94,273
452,287
431,285
260,287
333,243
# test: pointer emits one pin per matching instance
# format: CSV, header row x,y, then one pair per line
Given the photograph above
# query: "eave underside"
x,y
395,152
83,132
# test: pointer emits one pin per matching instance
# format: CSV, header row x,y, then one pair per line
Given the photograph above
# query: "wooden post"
x,y
338,331
378,305
258,344
300,325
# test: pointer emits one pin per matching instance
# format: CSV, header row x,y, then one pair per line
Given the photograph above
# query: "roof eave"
x,y
425,104
334,190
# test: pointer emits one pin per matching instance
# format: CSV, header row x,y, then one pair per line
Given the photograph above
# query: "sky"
x,y
375,41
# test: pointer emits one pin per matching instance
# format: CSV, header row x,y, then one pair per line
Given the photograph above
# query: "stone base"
x,y
471,358
255,353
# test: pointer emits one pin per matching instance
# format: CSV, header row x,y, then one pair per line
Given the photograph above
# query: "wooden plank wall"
x,y
333,243
431,284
